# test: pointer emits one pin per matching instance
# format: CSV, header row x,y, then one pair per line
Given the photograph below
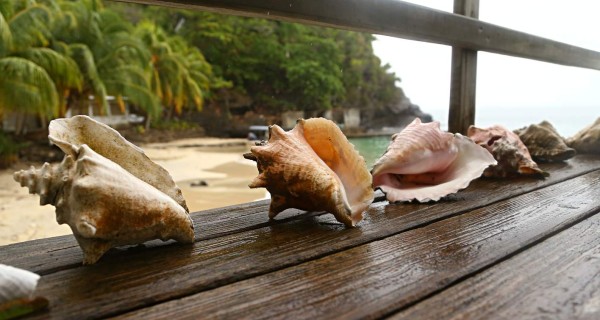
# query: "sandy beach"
x,y
218,162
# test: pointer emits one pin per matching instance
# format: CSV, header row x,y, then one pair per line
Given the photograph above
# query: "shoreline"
x,y
217,162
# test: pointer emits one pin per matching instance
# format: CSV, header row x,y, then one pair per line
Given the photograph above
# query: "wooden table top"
x,y
518,248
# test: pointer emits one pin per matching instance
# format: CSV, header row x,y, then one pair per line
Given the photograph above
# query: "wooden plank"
x,y
463,78
400,19
557,279
376,278
123,283
46,256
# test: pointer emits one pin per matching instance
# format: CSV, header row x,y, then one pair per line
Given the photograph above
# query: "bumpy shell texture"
x,y
313,167
16,283
424,163
544,143
587,140
510,152
104,204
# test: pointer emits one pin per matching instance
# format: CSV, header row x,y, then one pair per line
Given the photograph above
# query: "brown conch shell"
x,y
510,152
313,167
544,143
424,163
587,140
104,204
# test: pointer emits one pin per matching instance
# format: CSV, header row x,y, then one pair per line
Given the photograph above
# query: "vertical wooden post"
x,y
464,76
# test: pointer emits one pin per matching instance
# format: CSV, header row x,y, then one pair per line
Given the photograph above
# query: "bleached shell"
x,y
424,163
508,149
544,143
16,283
313,167
587,140
71,133
104,204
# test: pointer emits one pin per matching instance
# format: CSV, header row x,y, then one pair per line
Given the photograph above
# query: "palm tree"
x,y
180,77
33,75
112,60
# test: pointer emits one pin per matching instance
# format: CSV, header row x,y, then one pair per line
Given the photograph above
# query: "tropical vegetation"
x,y
59,54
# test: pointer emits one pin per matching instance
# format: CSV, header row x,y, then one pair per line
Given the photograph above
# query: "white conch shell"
x,y
424,163
104,204
70,133
16,283
313,167
587,140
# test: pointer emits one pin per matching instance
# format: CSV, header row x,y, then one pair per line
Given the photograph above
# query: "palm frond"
x,y
85,60
5,36
31,27
139,95
25,86
61,68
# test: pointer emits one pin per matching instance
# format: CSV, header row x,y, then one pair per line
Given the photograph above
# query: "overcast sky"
x,y
504,81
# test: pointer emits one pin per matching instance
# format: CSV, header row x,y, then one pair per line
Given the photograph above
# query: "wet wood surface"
x,y
306,265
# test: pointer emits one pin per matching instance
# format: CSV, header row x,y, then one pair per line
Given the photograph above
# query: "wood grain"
x,y
463,77
557,279
46,256
371,280
393,271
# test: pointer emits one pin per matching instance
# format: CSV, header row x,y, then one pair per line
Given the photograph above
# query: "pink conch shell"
x,y
424,163
587,140
104,204
313,167
510,152
544,143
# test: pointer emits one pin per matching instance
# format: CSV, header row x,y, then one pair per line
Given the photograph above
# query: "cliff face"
x,y
394,116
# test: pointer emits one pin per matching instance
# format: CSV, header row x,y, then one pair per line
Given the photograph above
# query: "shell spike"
x,y
259,182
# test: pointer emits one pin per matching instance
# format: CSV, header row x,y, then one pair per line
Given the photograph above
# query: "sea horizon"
x,y
567,120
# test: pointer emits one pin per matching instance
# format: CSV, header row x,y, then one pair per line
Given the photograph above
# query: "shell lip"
x,y
458,175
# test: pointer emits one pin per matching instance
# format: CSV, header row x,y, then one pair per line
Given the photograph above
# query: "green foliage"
x,y
25,86
284,66
57,53
9,150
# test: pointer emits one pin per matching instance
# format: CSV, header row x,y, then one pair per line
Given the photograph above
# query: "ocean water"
x,y
567,122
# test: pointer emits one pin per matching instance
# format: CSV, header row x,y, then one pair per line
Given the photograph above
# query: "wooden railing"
x,y
461,30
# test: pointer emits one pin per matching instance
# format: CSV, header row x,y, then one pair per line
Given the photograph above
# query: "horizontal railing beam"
x,y
400,19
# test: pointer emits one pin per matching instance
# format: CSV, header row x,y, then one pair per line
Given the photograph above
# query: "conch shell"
x,y
424,163
313,167
544,143
104,203
510,152
16,283
587,140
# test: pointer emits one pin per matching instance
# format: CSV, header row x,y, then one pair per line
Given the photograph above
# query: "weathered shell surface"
x,y
313,167
544,143
16,283
424,163
587,140
70,133
104,204
510,152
